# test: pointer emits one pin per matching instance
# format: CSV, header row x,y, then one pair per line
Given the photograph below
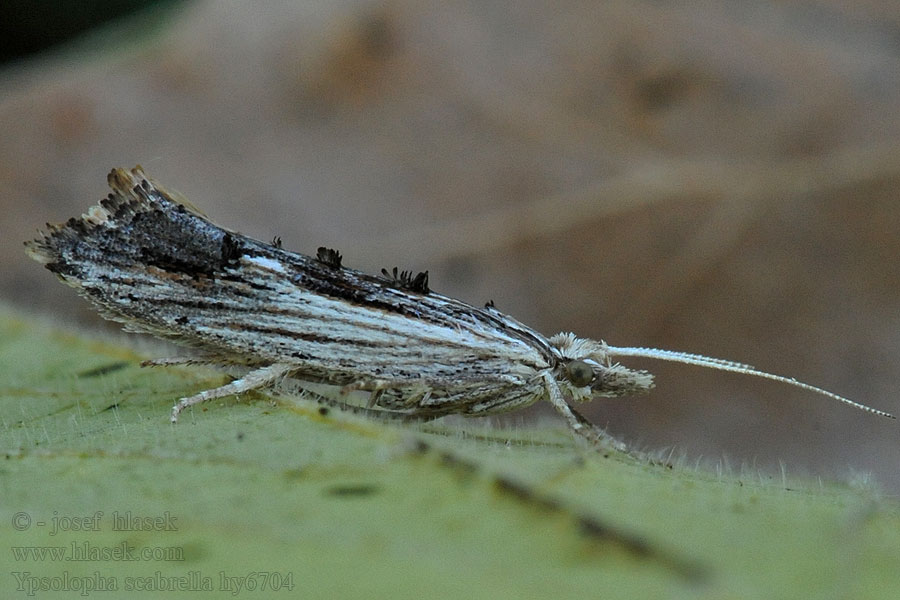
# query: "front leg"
x,y
577,423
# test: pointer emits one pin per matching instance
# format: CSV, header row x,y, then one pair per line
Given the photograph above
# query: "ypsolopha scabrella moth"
x,y
160,267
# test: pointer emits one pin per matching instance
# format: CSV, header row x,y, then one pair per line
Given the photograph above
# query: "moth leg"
x,y
254,379
606,439
374,395
379,414
381,385
174,360
372,385
577,423
377,387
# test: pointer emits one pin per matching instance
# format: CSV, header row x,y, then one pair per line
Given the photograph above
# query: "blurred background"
x,y
711,177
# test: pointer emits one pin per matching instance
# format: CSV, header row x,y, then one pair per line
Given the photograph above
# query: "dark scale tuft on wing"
x,y
232,250
329,257
137,223
406,281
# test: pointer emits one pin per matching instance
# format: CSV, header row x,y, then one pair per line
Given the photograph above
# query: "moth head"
x,y
586,371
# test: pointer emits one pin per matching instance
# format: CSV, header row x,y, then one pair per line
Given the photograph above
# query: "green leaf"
x,y
265,490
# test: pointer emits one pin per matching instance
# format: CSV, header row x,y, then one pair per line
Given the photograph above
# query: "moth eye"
x,y
579,373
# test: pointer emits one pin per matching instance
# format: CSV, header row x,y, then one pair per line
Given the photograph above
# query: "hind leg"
x,y
254,379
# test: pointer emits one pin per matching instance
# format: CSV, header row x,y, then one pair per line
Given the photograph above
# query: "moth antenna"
x,y
734,367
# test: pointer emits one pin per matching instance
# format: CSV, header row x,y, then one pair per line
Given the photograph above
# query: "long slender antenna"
x,y
734,367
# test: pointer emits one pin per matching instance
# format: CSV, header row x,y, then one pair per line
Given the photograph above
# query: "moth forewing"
x,y
148,261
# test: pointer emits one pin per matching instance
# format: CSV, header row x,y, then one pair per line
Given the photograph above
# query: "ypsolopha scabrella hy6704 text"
x,y
160,267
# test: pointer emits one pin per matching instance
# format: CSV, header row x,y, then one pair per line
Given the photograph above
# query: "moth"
x,y
160,267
